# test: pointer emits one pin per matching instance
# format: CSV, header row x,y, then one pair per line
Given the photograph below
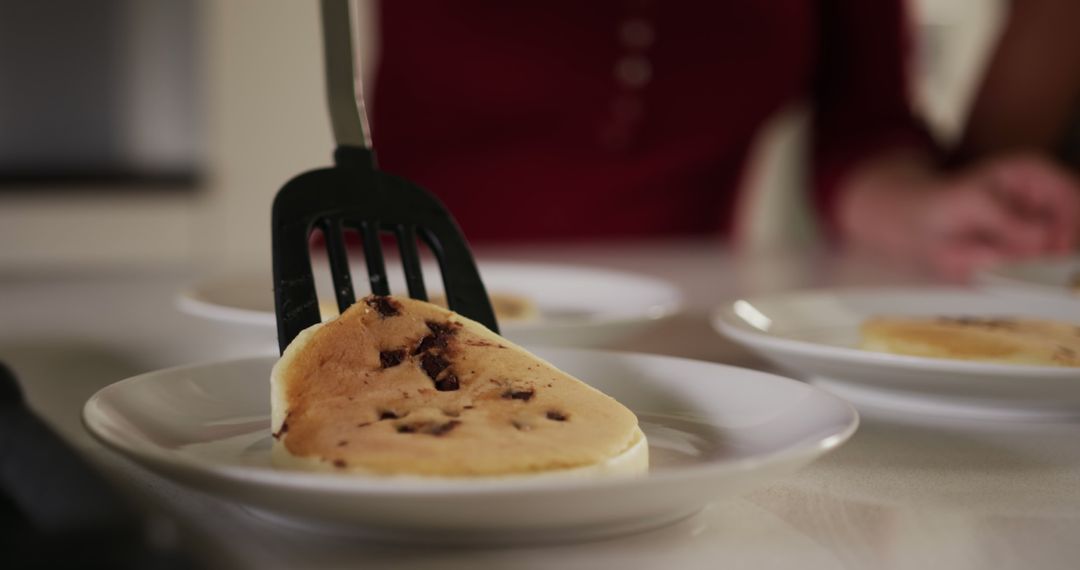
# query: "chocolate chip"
x,y
342,443
430,342
449,383
440,334
556,416
281,432
433,364
524,395
443,429
385,306
339,463
391,358
984,322
469,407
439,329
387,415
429,428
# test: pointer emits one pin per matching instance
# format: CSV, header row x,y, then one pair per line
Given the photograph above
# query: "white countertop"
x,y
903,493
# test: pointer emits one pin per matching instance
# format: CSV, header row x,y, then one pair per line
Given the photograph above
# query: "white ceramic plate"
x,y
1049,277
578,306
814,335
713,431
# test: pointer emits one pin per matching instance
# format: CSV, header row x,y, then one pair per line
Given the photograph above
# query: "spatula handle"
x,y
344,91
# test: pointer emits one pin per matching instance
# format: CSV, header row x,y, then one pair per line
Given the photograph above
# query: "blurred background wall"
x,y
213,105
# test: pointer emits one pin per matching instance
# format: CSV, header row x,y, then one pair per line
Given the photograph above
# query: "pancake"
x,y
1004,340
507,306
396,386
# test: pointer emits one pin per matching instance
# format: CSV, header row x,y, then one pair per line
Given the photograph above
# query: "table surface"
x,y
904,492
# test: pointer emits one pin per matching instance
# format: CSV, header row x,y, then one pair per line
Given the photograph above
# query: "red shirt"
x,y
580,119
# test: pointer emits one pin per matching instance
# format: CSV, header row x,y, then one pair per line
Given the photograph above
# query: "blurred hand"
x,y
1009,208
1003,209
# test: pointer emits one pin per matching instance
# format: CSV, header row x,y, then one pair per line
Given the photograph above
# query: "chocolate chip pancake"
x,y
1025,341
396,386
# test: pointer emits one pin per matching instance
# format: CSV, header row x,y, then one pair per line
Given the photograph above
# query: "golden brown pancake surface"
x,y
398,386
1005,340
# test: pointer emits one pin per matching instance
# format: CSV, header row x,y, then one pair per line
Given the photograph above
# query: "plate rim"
x,y
998,279
798,453
189,300
725,321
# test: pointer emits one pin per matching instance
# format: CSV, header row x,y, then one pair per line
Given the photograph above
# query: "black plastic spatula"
x,y
354,194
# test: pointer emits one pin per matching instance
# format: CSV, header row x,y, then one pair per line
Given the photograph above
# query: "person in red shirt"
x,y
544,121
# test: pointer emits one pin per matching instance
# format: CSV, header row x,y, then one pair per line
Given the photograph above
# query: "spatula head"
x,y
355,195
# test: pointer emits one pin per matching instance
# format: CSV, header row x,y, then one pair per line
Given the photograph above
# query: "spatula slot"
x,y
374,241
322,284
347,242
410,261
373,256
338,258
339,236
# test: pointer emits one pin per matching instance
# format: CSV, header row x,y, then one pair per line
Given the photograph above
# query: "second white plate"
x,y
814,334
579,306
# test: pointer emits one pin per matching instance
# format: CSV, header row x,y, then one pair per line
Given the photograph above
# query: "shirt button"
x,y
633,71
636,33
